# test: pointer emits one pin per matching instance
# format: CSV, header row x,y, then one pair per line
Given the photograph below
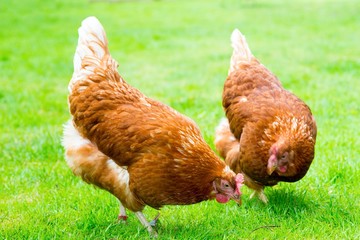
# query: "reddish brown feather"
x,y
140,150
260,112
168,160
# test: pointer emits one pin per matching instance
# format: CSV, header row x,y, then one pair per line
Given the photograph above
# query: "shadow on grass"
x,y
287,201
284,204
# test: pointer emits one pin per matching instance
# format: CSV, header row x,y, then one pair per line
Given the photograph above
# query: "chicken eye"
x,y
284,155
226,185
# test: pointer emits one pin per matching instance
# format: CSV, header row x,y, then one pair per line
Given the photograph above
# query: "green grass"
x,y
178,52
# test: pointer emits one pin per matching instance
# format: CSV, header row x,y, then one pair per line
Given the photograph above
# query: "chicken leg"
x,y
146,224
260,194
122,213
258,189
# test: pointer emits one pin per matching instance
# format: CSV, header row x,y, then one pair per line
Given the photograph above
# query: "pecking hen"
x,y
140,150
269,134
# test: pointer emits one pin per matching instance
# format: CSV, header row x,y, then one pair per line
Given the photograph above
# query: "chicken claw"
x,y
261,195
154,221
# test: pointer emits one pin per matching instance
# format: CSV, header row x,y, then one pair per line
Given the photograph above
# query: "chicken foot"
x,y
122,214
154,221
146,224
260,194
257,187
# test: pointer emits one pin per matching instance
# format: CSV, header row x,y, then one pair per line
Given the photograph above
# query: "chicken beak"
x,y
270,169
272,164
237,199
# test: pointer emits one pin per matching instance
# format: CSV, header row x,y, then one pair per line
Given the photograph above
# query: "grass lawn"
x,y
178,52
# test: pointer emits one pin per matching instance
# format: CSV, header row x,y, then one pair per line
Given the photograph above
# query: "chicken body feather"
x,y
140,150
275,131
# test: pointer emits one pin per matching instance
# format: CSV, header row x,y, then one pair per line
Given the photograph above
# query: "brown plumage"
x,y
140,150
269,134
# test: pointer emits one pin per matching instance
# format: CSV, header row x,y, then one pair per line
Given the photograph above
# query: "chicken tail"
x,y
91,52
241,50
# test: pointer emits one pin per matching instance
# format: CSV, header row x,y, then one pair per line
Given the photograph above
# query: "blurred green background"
x,y
178,52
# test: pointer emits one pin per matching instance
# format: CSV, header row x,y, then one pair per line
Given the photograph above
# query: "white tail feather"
x,y
241,50
92,43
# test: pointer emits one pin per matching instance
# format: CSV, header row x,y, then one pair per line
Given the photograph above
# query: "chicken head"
x,y
226,188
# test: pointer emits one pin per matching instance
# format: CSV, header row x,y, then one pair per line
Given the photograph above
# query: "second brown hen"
x,y
269,134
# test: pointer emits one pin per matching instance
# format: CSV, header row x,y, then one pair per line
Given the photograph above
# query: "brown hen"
x,y
140,150
269,134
